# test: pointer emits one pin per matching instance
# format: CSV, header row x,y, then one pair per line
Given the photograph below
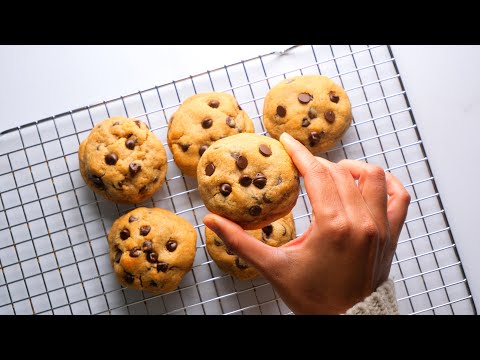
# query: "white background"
x,y
442,83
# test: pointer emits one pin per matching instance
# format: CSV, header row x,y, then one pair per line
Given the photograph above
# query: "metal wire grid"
x,y
53,247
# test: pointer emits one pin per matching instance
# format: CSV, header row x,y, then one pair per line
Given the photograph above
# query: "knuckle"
x,y
341,225
340,169
316,169
370,230
376,172
405,197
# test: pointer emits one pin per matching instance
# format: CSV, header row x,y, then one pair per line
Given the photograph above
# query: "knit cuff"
x,y
380,302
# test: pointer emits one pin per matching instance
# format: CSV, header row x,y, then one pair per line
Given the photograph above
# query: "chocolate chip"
x,y
118,186
260,181
147,246
225,189
138,123
152,257
255,210
129,278
281,111
268,230
305,122
312,113
130,144
98,182
217,242
245,180
124,234
185,147
116,123
144,230
143,189
330,116
279,180
214,104
171,245
228,251
135,252
209,169
111,159
264,150
162,266
305,98
118,256
284,230
207,123
242,162
202,149
240,264
266,200
132,218
314,138
153,283
333,97
134,169
230,121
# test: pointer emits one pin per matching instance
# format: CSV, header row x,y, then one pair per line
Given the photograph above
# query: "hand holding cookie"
x,y
346,252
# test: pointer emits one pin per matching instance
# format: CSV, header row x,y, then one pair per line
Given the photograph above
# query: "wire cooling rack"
x,y
53,246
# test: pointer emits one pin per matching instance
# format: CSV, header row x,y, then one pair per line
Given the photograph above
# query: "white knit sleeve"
x,y
380,302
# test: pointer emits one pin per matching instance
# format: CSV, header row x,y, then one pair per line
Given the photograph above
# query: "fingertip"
x,y
286,137
238,240
209,221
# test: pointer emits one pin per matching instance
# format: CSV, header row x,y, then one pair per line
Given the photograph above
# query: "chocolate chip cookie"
x,y
249,179
312,108
151,249
201,120
122,160
275,234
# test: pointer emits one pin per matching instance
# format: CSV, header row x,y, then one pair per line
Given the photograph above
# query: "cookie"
x,y
249,179
201,120
312,108
275,234
151,249
122,160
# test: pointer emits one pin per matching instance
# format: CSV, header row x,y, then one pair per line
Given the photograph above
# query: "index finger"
x,y
319,184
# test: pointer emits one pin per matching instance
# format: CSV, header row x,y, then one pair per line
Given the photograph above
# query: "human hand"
x,y
347,250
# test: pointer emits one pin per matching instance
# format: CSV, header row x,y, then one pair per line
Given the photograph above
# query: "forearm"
x,y
381,302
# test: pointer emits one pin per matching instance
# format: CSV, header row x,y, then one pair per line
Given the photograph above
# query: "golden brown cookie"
x,y
312,108
122,160
151,249
249,179
276,234
200,121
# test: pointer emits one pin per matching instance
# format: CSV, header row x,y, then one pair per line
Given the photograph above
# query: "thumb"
x,y
255,252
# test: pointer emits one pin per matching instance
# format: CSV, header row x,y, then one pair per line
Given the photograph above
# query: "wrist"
x,y
381,302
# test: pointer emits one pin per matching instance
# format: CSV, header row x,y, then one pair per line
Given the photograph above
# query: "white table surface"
x,y
442,83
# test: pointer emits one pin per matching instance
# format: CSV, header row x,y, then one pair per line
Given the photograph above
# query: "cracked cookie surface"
x,y
275,234
122,160
312,108
151,249
249,179
199,122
